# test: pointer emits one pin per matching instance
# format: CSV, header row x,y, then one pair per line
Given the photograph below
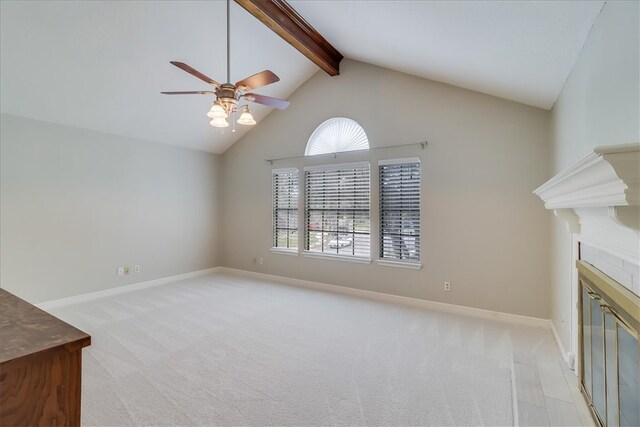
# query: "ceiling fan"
x,y
228,95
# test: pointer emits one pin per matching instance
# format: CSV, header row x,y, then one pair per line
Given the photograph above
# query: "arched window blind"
x,y
336,135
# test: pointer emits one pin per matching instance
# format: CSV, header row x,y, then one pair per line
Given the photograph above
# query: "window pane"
x,y
287,239
285,209
337,211
400,211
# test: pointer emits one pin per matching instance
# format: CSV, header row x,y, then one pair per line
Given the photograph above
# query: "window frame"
x,y
398,262
328,255
274,213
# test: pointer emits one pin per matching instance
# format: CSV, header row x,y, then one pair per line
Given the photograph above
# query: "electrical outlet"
x,y
137,268
447,286
260,261
127,270
120,271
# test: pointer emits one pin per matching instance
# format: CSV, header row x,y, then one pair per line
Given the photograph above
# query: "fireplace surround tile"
x,y
621,270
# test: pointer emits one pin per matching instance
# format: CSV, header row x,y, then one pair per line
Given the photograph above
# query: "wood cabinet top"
x,y
26,330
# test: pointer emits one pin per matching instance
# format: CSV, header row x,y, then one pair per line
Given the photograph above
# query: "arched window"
x,y
336,135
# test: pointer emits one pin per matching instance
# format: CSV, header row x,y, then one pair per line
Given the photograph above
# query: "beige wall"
x,y
482,228
76,204
599,105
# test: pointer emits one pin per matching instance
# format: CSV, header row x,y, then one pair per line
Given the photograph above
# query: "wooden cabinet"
x,y
40,366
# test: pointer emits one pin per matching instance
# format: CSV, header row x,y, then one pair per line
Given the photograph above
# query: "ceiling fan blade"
x,y
194,72
261,79
266,100
190,92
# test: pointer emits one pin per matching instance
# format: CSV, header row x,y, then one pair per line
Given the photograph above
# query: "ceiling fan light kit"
x,y
246,118
219,123
217,111
228,94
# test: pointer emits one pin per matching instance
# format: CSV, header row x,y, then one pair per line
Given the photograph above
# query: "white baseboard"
x,y
413,302
564,354
377,296
122,289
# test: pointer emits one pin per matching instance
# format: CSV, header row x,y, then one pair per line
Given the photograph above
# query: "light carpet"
x,y
231,350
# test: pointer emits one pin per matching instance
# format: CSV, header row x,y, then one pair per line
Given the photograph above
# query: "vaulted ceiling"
x,y
518,50
102,65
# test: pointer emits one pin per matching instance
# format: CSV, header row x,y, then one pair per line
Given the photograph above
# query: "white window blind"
x,y
335,135
337,210
285,208
400,210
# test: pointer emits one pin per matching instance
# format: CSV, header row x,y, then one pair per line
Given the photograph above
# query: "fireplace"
x,y
599,199
609,363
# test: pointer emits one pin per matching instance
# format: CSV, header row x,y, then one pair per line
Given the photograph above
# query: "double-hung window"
x,y
400,210
337,217
285,209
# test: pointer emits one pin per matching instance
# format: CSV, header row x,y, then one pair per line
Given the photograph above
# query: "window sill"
x,y
281,251
336,257
400,264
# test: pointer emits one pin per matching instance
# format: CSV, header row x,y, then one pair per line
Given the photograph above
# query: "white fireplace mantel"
x,y
599,199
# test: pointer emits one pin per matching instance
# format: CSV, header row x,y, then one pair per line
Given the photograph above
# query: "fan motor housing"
x,y
226,94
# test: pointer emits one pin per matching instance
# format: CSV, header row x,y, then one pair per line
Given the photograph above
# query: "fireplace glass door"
x,y
610,373
629,376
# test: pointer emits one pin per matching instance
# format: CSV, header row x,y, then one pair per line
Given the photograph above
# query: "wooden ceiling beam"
x,y
288,24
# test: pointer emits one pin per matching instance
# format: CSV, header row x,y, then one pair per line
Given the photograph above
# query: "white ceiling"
x,y
518,50
101,65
